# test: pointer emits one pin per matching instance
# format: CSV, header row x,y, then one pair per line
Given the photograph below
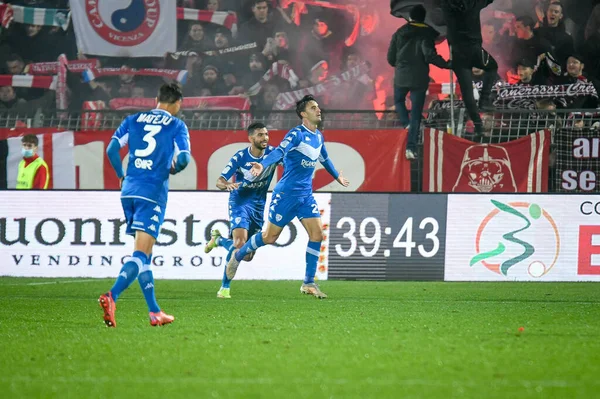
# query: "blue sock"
x,y
255,242
225,243
226,282
128,274
146,280
312,257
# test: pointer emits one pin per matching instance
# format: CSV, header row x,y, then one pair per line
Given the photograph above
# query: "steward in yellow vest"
x,y
33,171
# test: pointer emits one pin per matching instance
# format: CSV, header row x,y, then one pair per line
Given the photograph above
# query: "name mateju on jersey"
x,y
154,119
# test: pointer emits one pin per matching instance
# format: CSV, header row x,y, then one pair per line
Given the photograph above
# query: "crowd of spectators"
x,y
534,41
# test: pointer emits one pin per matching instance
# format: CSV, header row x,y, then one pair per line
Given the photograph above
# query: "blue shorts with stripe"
x,y
246,217
143,215
285,207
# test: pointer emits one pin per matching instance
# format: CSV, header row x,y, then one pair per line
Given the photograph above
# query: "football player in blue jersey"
x,y
153,138
247,199
292,197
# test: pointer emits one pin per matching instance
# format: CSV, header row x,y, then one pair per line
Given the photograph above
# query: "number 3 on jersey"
x,y
152,130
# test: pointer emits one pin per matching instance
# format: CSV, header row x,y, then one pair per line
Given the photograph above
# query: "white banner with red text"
x,y
523,238
82,234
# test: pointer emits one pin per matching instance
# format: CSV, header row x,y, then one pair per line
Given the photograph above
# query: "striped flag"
x,y
38,82
57,149
453,164
41,16
225,18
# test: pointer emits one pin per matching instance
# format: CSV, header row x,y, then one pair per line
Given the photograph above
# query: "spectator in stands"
x,y
212,5
32,45
8,98
411,51
195,40
15,64
593,25
554,32
260,27
321,44
574,74
529,43
33,171
212,81
527,74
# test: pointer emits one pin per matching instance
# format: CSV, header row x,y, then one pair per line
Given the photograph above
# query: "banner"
x,y
56,149
145,28
172,74
578,159
387,237
85,237
453,164
523,238
224,103
369,159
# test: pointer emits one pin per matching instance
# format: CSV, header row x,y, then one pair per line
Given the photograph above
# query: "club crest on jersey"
x,y
285,143
278,217
238,220
123,26
143,163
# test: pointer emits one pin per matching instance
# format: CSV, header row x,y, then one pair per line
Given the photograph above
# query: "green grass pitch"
x,y
368,340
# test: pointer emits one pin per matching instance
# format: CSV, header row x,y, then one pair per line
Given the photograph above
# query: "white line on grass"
x,y
57,282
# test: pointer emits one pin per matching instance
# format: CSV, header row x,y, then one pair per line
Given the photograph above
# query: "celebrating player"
x,y
247,199
293,197
153,137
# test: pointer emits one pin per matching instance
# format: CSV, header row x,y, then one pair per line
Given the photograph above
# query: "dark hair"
x,y
301,105
418,13
169,93
527,21
30,139
254,127
14,57
255,2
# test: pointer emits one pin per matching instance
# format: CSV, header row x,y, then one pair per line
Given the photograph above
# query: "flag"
x,y
145,28
435,16
453,164
57,150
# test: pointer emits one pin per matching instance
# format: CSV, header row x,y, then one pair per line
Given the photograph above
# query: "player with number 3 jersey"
x,y
292,197
153,137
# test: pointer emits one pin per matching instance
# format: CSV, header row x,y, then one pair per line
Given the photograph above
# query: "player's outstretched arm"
x,y
225,185
328,165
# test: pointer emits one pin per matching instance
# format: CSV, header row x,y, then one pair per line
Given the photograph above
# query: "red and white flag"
x,y
226,18
38,82
453,164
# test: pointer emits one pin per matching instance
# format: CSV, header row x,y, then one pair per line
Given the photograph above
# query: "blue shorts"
x,y
143,215
285,207
246,217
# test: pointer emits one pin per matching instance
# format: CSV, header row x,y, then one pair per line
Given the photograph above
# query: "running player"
x,y
247,199
293,197
153,137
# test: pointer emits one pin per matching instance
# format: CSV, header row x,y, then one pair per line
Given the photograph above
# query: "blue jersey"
x,y
302,149
153,138
252,190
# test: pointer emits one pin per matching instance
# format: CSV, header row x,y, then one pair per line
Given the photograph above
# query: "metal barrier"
x,y
499,126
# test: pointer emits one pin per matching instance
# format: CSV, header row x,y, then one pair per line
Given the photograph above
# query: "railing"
x,y
499,126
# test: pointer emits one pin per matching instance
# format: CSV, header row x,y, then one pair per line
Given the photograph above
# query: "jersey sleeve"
x,y
232,166
182,138
290,141
122,133
327,164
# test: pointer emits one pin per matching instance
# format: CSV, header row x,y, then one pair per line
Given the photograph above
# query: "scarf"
x,y
288,100
173,74
41,16
51,68
38,82
280,69
216,103
227,19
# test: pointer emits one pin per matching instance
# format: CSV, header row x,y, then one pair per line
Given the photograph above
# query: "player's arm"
x,y
328,165
223,182
182,143
118,141
289,142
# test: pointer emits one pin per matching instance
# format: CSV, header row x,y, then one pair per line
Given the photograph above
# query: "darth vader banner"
x,y
453,164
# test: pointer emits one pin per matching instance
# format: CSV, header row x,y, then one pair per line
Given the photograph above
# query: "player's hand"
x,y
232,186
342,180
256,169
